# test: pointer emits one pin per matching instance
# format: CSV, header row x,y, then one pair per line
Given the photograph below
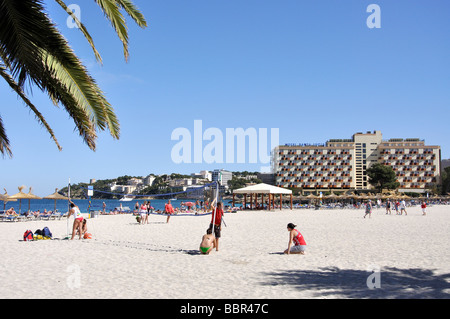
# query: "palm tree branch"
x,y
133,12
86,93
111,10
16,88
82,29
5,148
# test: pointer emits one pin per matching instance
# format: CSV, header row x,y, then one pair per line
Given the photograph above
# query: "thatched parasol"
x,y
56,196
363,196
5,199
20,195
31,196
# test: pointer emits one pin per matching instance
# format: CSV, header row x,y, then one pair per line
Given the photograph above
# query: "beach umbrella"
x,y
331,196
20,195
31,196
363,196
5,199
56,196
353,195
300,197
312,196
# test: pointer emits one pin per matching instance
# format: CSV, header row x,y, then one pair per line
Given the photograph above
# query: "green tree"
x,y
446,181
382,177
33,50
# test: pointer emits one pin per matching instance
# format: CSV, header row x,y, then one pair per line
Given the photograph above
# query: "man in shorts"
x,y
403,207
216,219
168,209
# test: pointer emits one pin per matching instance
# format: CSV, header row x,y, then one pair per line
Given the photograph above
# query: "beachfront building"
x,y
341,164
203,175
267,178
222,176
125,189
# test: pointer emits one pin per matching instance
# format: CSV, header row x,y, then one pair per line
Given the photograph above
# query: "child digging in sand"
x,y
208,242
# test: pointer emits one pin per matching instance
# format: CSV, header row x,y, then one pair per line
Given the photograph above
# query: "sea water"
x,y
84,205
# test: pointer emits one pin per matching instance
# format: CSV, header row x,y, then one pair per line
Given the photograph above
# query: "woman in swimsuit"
x,y
78,222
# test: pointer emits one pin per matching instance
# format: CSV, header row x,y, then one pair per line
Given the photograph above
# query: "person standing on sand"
x,y
388,207
297,238
397,204
403,207
168,209
368,209
149,208
424,208
216,219
78,222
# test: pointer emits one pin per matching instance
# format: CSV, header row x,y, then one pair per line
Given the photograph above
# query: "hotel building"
x,y
341,164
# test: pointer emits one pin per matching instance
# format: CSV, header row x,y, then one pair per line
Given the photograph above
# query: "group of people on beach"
x,y
211,241
398,206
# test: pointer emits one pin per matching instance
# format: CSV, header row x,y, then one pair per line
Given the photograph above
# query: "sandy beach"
x,y
409,254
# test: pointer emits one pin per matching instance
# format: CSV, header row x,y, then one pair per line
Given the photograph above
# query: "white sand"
x,y
159,260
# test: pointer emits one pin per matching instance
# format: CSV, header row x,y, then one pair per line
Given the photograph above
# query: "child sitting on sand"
x,y
208,242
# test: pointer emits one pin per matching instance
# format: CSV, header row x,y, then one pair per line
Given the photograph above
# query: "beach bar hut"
x,y
262,189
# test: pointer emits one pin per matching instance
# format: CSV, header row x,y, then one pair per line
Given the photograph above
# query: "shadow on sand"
x,y
350,283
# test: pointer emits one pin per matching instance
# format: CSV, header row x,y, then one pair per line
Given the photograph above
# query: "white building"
x,y
148,181
342,163
203,175
222,176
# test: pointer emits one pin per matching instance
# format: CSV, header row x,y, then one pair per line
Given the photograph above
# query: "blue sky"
x,y
312,69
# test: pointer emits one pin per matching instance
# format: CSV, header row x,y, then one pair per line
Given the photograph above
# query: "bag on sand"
x,y
46,233
28,235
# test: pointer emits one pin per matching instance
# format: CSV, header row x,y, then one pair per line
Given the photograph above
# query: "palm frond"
x,y
4,144
5,148
82,29
112,12
34,50
133,12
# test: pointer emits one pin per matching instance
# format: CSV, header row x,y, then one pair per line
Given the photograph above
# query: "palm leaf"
x,y
111,10
82,29
4,143
133,12
34,51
